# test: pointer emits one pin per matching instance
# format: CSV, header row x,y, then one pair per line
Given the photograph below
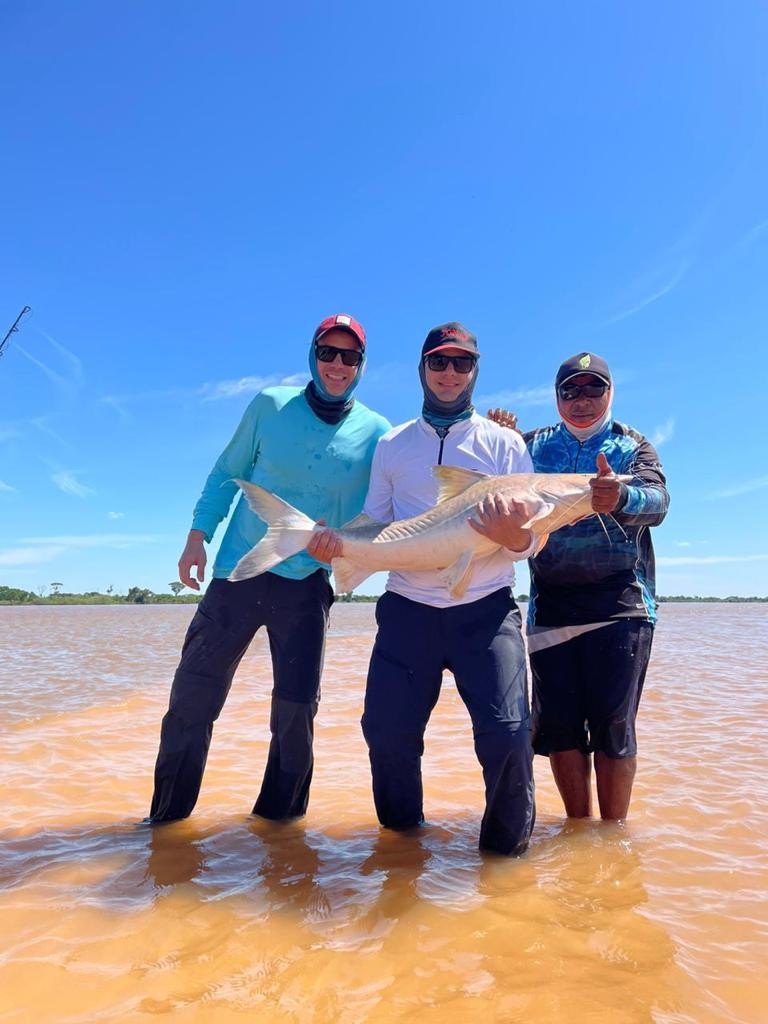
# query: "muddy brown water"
x,y
226,918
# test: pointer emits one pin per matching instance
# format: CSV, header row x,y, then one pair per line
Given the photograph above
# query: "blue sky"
x,y
188,188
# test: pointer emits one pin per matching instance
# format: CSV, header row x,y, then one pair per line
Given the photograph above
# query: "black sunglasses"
x,y
349,356
570,392
461,364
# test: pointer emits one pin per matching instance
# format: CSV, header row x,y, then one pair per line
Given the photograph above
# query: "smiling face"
x,y
337,377
584,411
446,385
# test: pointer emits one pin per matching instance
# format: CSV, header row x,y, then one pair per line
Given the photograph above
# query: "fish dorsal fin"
x,y
361,521
453,481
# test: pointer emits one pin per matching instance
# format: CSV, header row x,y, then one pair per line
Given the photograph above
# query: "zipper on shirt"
x,y
575,466
442,433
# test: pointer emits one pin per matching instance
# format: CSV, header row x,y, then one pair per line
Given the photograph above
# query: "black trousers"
x,y
295,613
482,645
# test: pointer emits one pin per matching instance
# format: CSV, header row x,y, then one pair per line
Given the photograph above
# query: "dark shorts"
x,y
586,691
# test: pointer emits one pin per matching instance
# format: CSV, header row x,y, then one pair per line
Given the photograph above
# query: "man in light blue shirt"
x,y
313,447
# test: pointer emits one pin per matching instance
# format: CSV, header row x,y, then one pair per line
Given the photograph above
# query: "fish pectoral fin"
x,y
453,480
544,509
541,543
457,576
347,575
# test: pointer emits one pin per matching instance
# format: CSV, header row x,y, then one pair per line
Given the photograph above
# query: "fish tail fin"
x,y
289,531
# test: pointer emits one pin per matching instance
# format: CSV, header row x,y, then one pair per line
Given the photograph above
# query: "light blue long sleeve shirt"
x,y
320,468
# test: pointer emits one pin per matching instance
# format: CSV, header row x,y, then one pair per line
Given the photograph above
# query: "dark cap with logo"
x,y
583,362
341,322
452,335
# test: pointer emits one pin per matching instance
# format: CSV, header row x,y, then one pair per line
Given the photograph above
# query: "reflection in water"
x,y
226,917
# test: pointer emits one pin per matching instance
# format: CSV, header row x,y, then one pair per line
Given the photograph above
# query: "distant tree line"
x,y
141,595
135,595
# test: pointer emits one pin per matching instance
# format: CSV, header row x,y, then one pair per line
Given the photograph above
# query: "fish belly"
x,y
435,548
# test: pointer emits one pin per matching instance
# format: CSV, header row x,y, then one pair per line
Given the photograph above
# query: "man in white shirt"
x,y
422,630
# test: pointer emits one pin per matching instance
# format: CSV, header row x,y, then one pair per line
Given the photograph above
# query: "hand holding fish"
x,y
193,556
325,545
608,492
501,520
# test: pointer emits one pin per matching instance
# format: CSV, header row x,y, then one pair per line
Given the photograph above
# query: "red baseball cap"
x,y
341,322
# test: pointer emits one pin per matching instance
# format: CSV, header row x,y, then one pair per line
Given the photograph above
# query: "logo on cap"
x,y
345,320
452,332
585,361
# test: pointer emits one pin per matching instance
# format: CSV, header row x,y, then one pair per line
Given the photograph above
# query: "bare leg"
x,y
572,771
614,785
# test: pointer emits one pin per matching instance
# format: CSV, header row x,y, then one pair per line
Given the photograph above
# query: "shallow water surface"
x,y
226,917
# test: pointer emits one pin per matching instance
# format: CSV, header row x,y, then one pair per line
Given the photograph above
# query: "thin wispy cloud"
x,y
41,550
754,233
68,483
73,363
121,403
116,403
116,515
211,391
6,433
652,287
663,433
29,555
42,424
95,540
67,377
745,487
6,488
249,385
513,399
58,379
683,544
670,560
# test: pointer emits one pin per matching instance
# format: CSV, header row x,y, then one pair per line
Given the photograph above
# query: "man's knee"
x,y
503,741
616,738
197,697
388,741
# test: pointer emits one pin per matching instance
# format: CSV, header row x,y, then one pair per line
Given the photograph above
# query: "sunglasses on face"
x,y
461,364
349,356
570,392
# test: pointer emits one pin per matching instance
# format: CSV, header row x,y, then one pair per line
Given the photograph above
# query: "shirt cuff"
x,y
206,525
518,556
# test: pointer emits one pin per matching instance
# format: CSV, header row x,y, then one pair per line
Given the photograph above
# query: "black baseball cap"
x,y
583,362
452,335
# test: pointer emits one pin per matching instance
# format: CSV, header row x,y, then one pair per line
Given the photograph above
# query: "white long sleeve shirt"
x,y
402,485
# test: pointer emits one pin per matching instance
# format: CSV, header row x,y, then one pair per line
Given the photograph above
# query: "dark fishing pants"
x,y
295,613
482,645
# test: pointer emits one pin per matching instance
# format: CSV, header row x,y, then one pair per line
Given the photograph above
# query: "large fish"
x,y
440,538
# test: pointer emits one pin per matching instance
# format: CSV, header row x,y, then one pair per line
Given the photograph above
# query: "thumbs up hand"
x,y
608,492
